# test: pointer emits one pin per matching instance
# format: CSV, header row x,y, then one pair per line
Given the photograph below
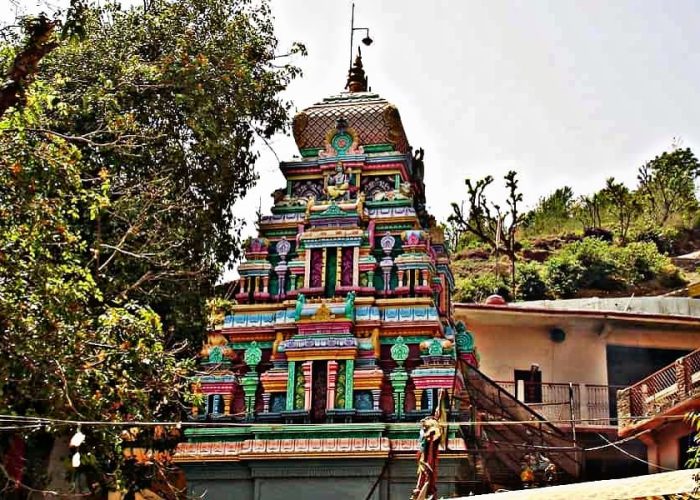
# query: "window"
x,y
532,384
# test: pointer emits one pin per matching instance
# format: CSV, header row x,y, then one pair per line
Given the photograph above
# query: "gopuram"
x,y
341,339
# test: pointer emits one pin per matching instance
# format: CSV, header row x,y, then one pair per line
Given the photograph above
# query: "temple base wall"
x,y
310,479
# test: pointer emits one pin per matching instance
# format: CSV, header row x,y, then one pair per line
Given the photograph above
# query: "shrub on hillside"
x,y
599,233
530,284
600,267
663,239
478,288
562,274
642,261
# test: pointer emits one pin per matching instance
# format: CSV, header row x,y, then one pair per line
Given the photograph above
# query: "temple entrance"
x,y
319,395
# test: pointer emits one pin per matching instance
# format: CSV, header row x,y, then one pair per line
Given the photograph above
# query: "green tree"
x,y
488,221
120,162
624,204
667,184
551,212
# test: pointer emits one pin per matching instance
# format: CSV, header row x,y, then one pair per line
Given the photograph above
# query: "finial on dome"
x,y
357,81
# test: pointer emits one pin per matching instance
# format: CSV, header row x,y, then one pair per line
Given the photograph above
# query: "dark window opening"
x,y
532,384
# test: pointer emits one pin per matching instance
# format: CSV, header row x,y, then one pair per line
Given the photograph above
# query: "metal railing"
x,y
555,401
661,390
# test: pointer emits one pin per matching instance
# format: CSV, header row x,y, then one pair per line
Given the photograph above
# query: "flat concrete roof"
x,y
678,482
672,306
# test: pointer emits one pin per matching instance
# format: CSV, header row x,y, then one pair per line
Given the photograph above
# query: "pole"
x,y
571,410
352,31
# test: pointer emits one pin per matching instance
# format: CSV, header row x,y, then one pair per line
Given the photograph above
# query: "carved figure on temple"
x,y
350,305
433,434
338,183
301,300
405,192
282,199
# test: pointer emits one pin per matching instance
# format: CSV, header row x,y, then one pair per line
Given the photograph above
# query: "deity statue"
x,y
338,183
433,434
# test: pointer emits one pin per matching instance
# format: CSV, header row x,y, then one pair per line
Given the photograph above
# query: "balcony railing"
x,y
673,384
555,401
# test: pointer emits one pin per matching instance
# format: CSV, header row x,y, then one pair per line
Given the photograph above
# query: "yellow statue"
x,y
338,183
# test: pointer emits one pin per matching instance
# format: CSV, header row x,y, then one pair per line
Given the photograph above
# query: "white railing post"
x,y
583,408
520,390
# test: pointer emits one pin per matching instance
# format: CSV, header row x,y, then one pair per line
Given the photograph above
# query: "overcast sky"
x,y
564,92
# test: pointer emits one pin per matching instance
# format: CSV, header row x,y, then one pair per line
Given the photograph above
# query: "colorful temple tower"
x,y
342,335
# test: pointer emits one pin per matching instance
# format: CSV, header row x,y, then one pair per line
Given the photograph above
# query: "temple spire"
x,y
357,81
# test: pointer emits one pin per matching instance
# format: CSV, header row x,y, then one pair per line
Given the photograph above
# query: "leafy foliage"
x,y
479,287
596,264
551,213
563,275
530,283
119,168
693,418
624,204
667,183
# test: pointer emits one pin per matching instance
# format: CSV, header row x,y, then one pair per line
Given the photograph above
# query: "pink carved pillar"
x,y
330,391
306,370
425,277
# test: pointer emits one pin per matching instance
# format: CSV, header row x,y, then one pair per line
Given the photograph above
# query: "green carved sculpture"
x,y
464,341
399,351
252,355
216,354
301,300
435,348
350,306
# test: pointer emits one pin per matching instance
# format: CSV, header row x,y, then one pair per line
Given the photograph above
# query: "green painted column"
x,y
398,383
399,377
291,378
349,374
250,389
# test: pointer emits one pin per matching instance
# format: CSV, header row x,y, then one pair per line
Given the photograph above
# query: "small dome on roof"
x,y
374,119
495,300
368,118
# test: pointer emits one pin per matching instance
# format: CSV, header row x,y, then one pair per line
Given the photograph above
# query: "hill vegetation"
x,y
617,241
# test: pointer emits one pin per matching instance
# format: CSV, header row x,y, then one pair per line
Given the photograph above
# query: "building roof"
x,y
680,483
673,306
680,312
